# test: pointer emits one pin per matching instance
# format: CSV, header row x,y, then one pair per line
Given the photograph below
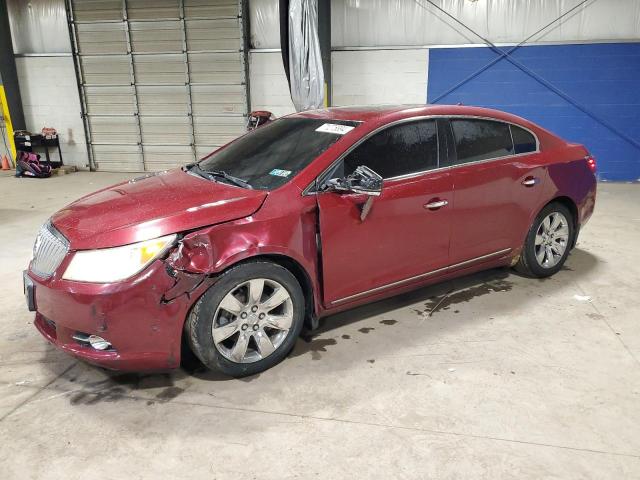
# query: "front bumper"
x,y
143,328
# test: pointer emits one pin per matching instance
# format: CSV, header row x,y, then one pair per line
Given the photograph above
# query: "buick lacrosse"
x,y
308,215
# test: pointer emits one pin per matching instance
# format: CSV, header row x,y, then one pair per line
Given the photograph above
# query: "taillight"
x,y
591,163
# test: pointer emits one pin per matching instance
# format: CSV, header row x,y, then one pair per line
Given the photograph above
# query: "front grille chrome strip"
x,y
49,250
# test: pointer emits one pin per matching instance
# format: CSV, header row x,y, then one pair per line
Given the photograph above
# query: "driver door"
x,y
406,232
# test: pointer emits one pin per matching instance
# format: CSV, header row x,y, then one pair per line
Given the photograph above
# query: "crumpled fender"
x,y
204,253
189,264
185,283
200,253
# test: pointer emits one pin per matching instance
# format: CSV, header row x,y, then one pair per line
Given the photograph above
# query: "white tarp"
x,y
375,23
305,62
264,21
39,26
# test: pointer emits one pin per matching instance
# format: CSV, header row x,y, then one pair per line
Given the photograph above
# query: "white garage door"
x,y
163,81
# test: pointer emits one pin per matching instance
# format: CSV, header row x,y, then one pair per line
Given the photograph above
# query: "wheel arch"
x,y
569,203
297,270
289,263
573,208
303,277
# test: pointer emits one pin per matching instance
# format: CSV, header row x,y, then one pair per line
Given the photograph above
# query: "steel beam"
x,y
134,83
324,37
8,72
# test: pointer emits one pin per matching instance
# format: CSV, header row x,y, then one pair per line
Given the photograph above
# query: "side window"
x,y
523,141
399,150
481,140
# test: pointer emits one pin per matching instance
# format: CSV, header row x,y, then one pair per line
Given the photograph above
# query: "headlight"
x,y
114,264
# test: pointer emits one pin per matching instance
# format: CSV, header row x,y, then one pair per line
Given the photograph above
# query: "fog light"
x,y
98,343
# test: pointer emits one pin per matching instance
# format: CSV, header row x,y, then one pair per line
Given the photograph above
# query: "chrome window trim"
x,y
422,275
307,189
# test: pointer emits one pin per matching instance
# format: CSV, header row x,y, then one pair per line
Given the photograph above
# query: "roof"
x,y
387,113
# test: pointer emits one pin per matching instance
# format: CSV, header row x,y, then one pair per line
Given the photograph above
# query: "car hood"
x,y
152,206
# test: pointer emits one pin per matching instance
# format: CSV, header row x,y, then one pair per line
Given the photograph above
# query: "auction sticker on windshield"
x,y
334,128
276,172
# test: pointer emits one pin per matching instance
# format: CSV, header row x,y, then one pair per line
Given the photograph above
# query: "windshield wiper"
x,y
235,180
196,169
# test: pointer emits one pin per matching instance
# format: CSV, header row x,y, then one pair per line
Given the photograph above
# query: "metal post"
x,y
324,37
77,64
8,72
243,6
134,83
185,52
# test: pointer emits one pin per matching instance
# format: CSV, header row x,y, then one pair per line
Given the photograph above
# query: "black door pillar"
x,y
8,72
324,35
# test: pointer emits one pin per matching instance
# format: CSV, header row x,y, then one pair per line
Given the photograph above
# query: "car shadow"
x,y
430,300
458,290
426,301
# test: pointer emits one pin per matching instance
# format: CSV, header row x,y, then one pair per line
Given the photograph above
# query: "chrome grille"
x,y
48,251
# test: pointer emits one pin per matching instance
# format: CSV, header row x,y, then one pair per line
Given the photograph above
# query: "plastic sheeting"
x,y
375,23
305,61
416,22
263,18
39,26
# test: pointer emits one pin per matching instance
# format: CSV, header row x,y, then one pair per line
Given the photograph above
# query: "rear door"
x,y
496,184
401,237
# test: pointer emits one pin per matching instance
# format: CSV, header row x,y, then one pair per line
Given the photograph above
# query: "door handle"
x,y
530,181
436,204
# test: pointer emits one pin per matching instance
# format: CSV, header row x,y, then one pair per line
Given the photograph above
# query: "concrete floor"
x,y
509,378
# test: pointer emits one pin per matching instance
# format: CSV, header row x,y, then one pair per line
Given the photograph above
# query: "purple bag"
x,y
29,165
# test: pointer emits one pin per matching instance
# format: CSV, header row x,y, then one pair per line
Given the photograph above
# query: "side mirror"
x,y
362,180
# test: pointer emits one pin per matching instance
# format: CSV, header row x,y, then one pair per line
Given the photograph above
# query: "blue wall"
x,y
602,78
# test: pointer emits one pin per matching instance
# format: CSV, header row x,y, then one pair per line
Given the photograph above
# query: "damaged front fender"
x,y
206,253
185,284
201,256
190,264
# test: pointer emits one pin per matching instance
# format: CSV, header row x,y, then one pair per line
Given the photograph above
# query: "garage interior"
x,y
492,375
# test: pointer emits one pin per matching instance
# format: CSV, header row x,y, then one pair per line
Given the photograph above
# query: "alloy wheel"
x,y
252,320
552,239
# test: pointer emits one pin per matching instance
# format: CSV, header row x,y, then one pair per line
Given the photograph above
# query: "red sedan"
x,y
311,214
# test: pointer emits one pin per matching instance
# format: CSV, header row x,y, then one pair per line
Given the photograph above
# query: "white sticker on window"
x,y
334,128
276,172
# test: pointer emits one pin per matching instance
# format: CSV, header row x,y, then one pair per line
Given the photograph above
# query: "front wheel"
x,y
548,242
248,321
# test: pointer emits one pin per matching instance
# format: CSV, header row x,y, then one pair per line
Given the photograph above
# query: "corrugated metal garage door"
x,y
163,81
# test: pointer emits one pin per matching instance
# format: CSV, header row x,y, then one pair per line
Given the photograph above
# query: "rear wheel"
x,y
249,320
548,242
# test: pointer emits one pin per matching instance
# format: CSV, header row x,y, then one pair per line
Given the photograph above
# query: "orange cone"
x,y
5,163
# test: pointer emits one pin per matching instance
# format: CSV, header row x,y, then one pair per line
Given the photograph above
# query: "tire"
x,y
253,344
533,261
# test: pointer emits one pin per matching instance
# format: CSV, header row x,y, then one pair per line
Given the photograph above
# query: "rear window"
x,y
271,155
523,141
481,140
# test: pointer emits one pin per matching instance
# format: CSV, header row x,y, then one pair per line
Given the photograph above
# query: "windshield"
x,y
270,156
